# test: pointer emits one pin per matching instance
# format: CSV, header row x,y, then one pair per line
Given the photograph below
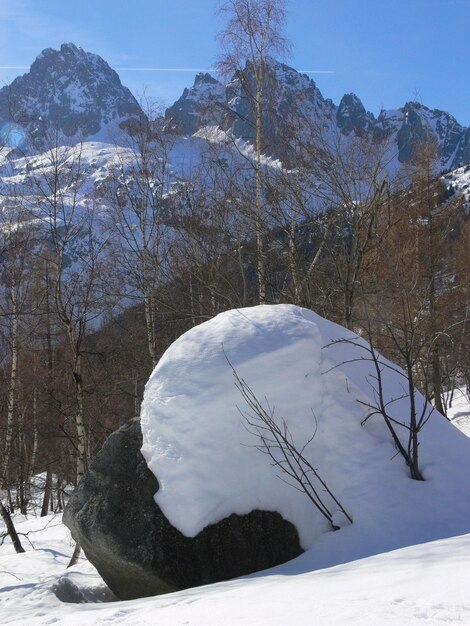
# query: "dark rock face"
x,y
287,95
462,156
415,123
67,90
122,531
411,133
352,116
199,106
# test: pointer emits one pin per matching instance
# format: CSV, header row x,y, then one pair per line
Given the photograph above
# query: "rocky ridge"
x,y
77,94
290,91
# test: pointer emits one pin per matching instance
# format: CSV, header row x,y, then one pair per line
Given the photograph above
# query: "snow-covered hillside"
x,y
84,169
459,181
459,409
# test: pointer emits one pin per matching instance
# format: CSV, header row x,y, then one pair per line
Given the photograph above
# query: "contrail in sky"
x,y
165,69
196,69
162,69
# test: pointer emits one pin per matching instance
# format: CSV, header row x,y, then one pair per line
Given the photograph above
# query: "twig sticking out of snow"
x,y
277,442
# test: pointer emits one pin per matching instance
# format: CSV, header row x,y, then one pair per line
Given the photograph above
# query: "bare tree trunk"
x,y
79,419
4,512
60,494
414,428
47,493
150,324
12,389
292,260
259,194
31,464
437,381
136,397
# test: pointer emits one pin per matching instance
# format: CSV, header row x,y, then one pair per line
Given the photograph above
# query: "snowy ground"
x,y
459,410
427,583
421,584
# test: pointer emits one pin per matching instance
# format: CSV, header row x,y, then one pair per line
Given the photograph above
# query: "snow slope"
x,y
459,181
421,584
197,444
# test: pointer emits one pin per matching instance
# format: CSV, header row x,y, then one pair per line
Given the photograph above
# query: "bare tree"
x,y
353,187
73,258
276,441
136,192
415,417
433,222
15,262
415,305
253,32
11,530
210,252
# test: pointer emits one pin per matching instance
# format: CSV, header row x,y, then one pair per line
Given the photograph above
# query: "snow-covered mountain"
x,y
78,94
458,181
414,122
70,91
201,105
289,93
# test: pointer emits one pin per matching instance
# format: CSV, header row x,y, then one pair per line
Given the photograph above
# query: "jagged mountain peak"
x,y
68,90
415,122
204,78
351,115
195,108
66,49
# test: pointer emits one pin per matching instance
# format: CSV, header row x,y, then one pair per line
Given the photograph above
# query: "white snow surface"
x,y
197,444
427,584
458,410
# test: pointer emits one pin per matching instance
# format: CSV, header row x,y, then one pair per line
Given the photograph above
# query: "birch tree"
x,y
253,33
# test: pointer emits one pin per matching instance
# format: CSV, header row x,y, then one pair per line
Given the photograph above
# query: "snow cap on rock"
x,y
317,377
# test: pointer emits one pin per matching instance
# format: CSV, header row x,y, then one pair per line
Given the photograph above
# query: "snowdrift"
x,y
309,374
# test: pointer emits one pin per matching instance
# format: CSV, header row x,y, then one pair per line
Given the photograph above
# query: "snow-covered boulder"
x,y
206,504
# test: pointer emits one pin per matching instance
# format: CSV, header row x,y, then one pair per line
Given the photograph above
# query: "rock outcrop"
x,y
122,531
201,105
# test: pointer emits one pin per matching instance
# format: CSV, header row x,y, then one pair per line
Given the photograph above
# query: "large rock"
x,y
122,531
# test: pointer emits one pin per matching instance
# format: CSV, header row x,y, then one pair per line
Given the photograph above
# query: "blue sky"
x,y
387,52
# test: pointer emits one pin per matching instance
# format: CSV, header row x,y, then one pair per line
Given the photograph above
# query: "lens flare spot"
x,y
12,135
